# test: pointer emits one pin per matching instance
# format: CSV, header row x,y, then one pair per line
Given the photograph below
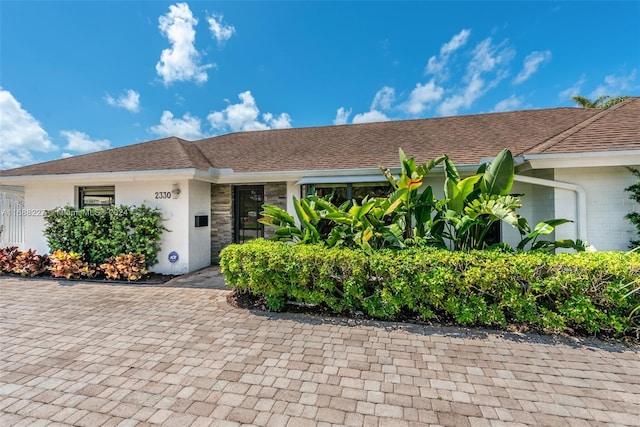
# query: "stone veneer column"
x,y
275,193
222,213
221,218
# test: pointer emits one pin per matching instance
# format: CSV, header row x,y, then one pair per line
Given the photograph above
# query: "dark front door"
x,y
247,207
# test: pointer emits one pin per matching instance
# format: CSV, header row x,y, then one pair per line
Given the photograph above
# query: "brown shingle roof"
x,y
167,153
614,129
467,139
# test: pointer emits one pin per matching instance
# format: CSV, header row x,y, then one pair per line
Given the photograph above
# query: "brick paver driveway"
x,y
95,354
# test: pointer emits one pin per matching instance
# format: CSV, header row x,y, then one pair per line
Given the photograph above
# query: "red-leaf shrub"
x,y
29,263
70,265
124,267
8,259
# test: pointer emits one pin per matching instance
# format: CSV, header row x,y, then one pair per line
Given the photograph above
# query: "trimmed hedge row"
x,y
583,292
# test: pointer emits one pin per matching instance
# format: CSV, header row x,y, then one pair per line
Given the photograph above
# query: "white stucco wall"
x,y
199,237
175,211
537,205
38,198
607,204
192,244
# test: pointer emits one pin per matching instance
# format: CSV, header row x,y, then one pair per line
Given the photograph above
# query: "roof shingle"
x,y
167,153
466,139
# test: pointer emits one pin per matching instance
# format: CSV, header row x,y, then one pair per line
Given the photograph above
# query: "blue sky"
x,y
76,77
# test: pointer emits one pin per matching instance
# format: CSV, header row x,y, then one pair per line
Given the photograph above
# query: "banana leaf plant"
x,y
462,220
474,204
311,212
410,208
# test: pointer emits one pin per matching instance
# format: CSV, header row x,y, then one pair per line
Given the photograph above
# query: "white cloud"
x,y
244,116
474,90
531,64
616,85
437,64
422,96
370,117
20,133
181,62
130,101
219,30
488,56
283,121
187,127
484,72
575,89
15,158
509,104
18,128
80,142
342,116
383,99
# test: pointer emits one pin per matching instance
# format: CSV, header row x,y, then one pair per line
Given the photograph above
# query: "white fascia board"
x,y
342,179
317,176
228,176
121,176
586,159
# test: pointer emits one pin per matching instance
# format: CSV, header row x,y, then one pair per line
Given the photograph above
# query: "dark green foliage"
x,y
602,102
634,217
581,292
102,233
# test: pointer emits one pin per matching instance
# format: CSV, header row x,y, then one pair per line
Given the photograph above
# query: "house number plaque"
x,y
163,194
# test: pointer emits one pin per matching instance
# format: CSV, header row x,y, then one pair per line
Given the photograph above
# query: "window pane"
x,y
339,193
96,197
360,191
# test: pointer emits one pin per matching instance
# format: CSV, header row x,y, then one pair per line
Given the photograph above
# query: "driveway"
x,y
90,354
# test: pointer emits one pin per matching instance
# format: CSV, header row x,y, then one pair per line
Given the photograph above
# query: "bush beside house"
x,y
582,292
116,243
634,217
410,255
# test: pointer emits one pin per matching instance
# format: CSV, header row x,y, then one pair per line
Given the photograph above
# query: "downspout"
x,y
581,197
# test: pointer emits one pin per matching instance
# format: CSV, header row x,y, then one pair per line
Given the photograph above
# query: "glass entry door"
x,y
247,207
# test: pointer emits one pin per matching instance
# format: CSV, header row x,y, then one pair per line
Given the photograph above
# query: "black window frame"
x,y
308,189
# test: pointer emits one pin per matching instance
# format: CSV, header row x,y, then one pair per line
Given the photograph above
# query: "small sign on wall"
x,y
173,257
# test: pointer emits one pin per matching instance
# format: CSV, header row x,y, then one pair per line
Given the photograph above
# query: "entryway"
x,y
247,202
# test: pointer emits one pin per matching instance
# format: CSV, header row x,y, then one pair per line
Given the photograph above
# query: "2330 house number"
x,y
163,194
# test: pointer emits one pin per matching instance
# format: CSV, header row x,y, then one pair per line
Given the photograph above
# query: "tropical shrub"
x,y
70,265
102,233
8,259
25,263
569,292
634,217
29,263
124,267
409,217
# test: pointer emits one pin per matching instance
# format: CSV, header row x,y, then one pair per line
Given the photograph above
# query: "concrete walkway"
x,y
91,354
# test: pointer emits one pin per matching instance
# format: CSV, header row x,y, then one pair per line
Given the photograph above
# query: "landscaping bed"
x,y
579,294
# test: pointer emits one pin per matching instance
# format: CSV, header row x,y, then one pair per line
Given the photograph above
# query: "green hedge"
x,y
584,292
105,232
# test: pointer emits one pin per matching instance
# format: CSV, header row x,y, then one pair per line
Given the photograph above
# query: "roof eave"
x,y
583,159
116,176
229,176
